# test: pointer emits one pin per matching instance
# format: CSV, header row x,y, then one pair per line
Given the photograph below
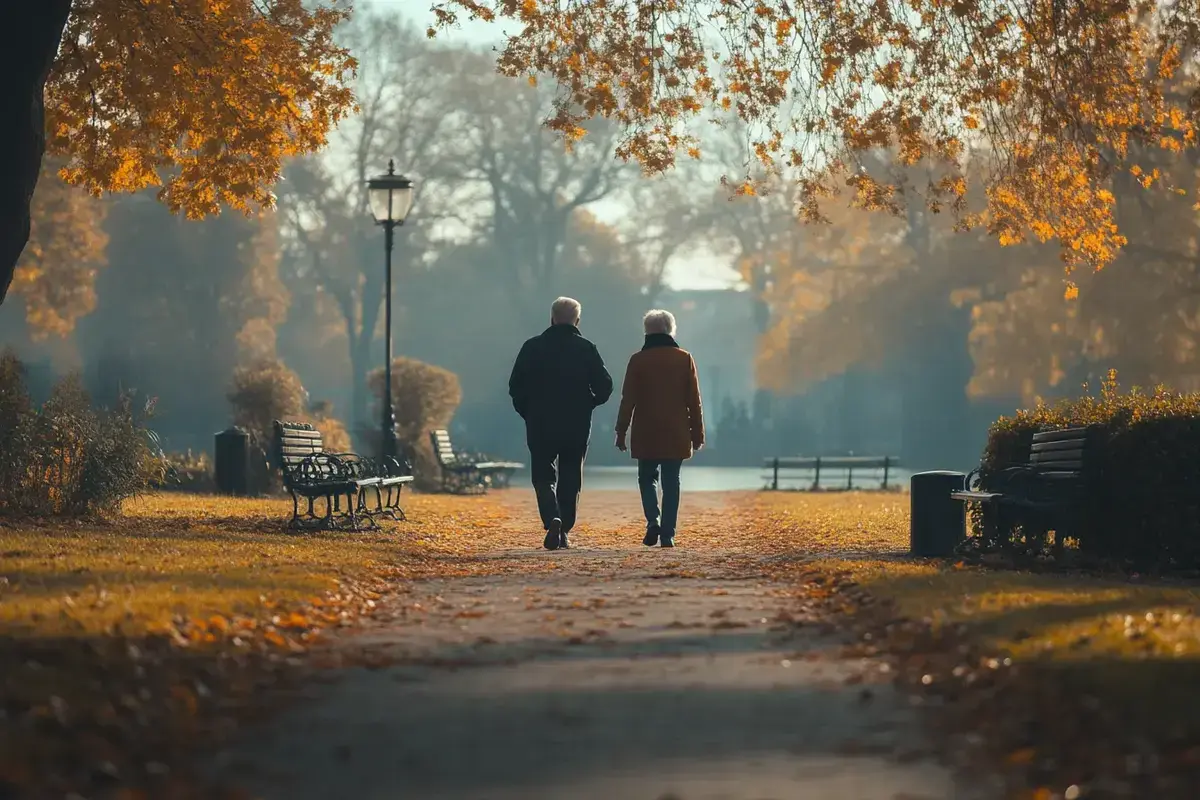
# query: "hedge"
x,y
1143,497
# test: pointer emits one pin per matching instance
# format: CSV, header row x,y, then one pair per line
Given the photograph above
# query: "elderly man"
x,y
557,381
661,396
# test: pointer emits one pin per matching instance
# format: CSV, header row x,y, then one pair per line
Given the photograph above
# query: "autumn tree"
x,y
1141,316
204,100
1058,97
532,183
179,307
56,275
333,245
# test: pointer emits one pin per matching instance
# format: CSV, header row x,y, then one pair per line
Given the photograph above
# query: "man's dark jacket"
x,y
557,380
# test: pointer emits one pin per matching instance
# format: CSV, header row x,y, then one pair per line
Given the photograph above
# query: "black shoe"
x,y
652,534
667,541
554,535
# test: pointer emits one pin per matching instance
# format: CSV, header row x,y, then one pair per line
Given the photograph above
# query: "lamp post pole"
x,y
390,197
389,411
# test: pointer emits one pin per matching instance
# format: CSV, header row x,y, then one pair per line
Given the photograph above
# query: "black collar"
x,y
659,340
563,328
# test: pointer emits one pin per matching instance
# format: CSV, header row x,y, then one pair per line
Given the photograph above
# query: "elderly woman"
x,y
661,397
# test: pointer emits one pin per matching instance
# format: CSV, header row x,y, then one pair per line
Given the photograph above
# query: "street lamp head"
x,y
390,197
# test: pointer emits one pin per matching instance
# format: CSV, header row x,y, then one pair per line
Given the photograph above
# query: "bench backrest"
x,y
443,450
294,442
1062,451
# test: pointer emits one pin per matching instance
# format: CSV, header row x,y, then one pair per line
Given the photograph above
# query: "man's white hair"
x,y
565,311
659,321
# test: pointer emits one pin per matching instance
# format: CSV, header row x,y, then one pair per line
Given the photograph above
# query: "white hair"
x,y
565,311
659,321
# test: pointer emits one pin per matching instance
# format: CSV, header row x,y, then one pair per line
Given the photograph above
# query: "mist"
x,y
872,334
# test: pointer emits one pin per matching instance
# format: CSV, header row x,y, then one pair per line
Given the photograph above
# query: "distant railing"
x,y
784,467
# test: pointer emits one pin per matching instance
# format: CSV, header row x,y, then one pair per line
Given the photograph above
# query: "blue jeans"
x,y
648,477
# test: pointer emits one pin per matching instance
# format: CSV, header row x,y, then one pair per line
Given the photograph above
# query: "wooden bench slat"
x,y
1060,444
290,450
300,433
1053,455
1061,463
301,441
1059,435
1072,466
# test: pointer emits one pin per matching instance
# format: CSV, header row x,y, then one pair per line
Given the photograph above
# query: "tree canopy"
x,y
1054,97
205,99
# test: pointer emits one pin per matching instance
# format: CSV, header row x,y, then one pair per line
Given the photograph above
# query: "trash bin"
x,y
937,522
231,466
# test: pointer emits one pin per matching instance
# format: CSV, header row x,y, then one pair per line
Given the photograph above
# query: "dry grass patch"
x,y
1068,616
1100,694
129,643
174,555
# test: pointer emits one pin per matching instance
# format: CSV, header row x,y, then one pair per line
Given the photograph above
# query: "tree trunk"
x,y
360,356
30,34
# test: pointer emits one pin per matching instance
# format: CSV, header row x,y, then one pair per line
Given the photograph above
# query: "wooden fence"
x,y
799,467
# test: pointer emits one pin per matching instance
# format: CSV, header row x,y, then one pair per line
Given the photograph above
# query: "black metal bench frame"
x,y
1045,494
466,474
313,474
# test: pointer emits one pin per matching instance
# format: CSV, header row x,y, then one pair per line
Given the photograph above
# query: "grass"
x,y
1067,616
129,643
1102,690
173,555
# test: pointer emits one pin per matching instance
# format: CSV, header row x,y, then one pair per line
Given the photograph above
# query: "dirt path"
x,y
608,671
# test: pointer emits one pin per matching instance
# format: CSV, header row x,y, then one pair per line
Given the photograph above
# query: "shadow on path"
x,y
600,679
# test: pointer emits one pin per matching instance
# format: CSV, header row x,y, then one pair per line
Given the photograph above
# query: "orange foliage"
x,y
1057,96
208,97
56,276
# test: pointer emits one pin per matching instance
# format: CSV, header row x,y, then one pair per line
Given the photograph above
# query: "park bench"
x,y
1046,493
792,468
310,472
462,472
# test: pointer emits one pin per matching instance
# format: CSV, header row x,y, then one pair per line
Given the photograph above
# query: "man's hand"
x,y
621,442
697,447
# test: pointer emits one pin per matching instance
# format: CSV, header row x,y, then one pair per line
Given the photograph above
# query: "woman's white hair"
x,y
659,321
565,311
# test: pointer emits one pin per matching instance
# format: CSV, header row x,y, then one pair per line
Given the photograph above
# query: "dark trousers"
x,y
556,465
648,478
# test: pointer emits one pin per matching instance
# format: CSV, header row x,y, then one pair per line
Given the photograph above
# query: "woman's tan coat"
x,y
661,396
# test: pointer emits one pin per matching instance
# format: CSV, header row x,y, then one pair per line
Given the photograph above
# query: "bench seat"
x,y
312,473
1043,494
462,473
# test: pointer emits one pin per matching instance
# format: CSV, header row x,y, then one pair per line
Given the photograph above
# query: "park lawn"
x,y
175,555
1064,616
129,643
1043,680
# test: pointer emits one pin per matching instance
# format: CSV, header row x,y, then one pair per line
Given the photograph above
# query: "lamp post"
x,y
390,197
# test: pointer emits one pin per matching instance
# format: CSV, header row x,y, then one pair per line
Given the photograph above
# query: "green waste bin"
x,y
937,522
231,464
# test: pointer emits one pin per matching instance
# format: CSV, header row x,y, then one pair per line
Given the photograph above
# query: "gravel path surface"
x,y
607,671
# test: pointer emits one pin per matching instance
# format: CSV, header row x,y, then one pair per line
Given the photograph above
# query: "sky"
x,y
696,270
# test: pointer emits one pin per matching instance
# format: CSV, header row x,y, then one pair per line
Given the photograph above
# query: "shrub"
x,y
425,398
268,390
263,392
188,472
1143,497
334,435
66,458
